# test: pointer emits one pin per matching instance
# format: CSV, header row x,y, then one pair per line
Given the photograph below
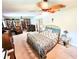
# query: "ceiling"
x,y
30,5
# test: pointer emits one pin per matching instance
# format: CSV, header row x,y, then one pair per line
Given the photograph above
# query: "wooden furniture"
x,y
30,28
7,40
18,30
8,45
8,24
25,23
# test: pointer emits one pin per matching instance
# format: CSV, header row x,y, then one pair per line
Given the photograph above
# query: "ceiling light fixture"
x,y
44,6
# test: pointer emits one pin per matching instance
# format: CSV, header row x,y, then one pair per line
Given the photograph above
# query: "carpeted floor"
x,y
23,50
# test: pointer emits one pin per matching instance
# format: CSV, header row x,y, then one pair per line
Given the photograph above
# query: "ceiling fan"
x,y
43,5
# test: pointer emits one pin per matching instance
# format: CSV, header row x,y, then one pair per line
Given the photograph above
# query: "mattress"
x,y
42,43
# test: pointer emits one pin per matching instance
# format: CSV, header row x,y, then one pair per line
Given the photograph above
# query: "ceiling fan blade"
x,y
58,6
55,8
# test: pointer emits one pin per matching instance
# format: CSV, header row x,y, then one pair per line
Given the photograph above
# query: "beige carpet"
x,y
23,50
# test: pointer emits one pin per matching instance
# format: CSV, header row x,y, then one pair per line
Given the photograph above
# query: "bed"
x,y
45,41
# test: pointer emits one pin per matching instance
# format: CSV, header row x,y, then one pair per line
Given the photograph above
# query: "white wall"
x,y
65,19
